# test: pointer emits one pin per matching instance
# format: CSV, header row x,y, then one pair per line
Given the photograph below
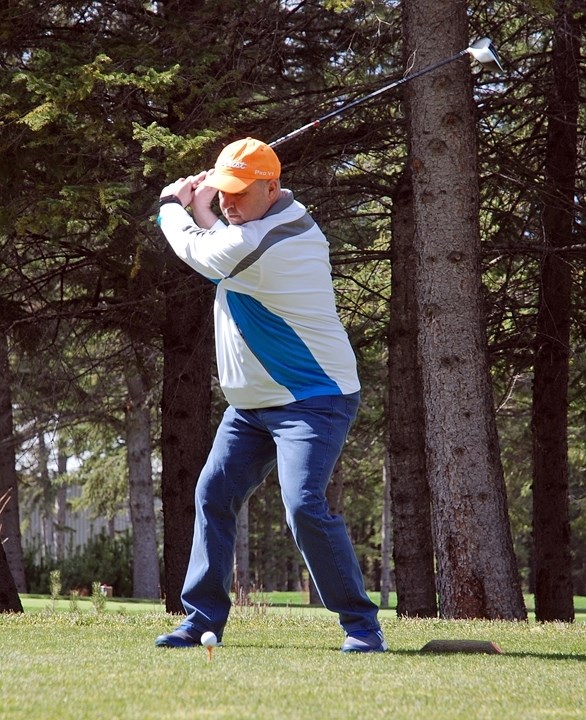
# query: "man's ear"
x,y
274,188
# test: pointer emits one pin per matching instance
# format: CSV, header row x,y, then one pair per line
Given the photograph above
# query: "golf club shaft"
x,y
319,121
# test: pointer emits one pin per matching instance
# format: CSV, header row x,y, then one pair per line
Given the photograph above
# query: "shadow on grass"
x,y
417,653
516,654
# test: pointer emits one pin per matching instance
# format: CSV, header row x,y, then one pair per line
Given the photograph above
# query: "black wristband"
x,y
169,199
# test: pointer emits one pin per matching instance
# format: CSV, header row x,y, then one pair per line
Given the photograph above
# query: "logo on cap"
x,y
233,164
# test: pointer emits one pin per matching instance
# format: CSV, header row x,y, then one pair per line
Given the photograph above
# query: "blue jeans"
x,y
303,440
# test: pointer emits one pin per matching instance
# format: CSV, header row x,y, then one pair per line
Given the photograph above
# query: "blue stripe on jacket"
x,y
279,349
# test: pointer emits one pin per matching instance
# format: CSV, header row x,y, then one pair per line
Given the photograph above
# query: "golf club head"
x,y
484,52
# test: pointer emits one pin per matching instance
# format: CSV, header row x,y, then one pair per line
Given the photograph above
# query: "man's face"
x,y
250,204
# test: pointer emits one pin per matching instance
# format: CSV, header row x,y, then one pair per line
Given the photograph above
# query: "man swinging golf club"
x,y
288,372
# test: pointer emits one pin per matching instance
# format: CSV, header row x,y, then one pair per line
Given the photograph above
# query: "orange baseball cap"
x,y
241,163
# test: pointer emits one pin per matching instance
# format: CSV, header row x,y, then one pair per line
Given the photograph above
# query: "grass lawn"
x,y
282,663
276,602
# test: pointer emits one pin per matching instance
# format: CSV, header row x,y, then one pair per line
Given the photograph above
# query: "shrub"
x,y
103,559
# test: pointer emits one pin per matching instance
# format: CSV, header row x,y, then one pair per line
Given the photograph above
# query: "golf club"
x,y
483,51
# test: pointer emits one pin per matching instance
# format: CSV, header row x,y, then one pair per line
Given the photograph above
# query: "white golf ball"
x,y
208,639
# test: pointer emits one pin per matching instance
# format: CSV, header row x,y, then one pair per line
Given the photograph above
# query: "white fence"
x,y
67,530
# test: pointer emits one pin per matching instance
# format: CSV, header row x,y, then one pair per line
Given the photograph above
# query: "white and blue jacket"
x,y
278,335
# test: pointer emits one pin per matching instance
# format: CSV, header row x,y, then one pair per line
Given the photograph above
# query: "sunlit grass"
x,y
274,602
284,665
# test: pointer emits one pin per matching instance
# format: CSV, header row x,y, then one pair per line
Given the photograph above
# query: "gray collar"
x,y
281,204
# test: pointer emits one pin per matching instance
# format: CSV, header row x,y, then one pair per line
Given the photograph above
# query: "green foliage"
x,y
338,5
98,597
545,6
104,480
102,560
54,586
180,151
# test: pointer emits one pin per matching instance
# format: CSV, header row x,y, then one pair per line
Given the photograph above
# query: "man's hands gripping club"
x,y
194,192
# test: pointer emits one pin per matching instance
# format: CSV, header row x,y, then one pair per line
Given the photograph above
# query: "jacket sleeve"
x,y
213,253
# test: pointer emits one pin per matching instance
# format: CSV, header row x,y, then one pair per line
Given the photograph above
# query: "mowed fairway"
x,y
283,665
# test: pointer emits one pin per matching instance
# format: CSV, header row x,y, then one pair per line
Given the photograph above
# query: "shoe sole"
x,y
383,647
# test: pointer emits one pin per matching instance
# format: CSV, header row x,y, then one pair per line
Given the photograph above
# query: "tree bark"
x,y
186,407
551,518
410,501
10,520
145,561
9,599
386,543
61,507
477,573
335,491
48,549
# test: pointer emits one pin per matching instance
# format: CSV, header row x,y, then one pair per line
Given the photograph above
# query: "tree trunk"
x,y
477,573
186,406
551,519
145,562
48,549
61,507
335,491
410,501
10,520
386,541
9,599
